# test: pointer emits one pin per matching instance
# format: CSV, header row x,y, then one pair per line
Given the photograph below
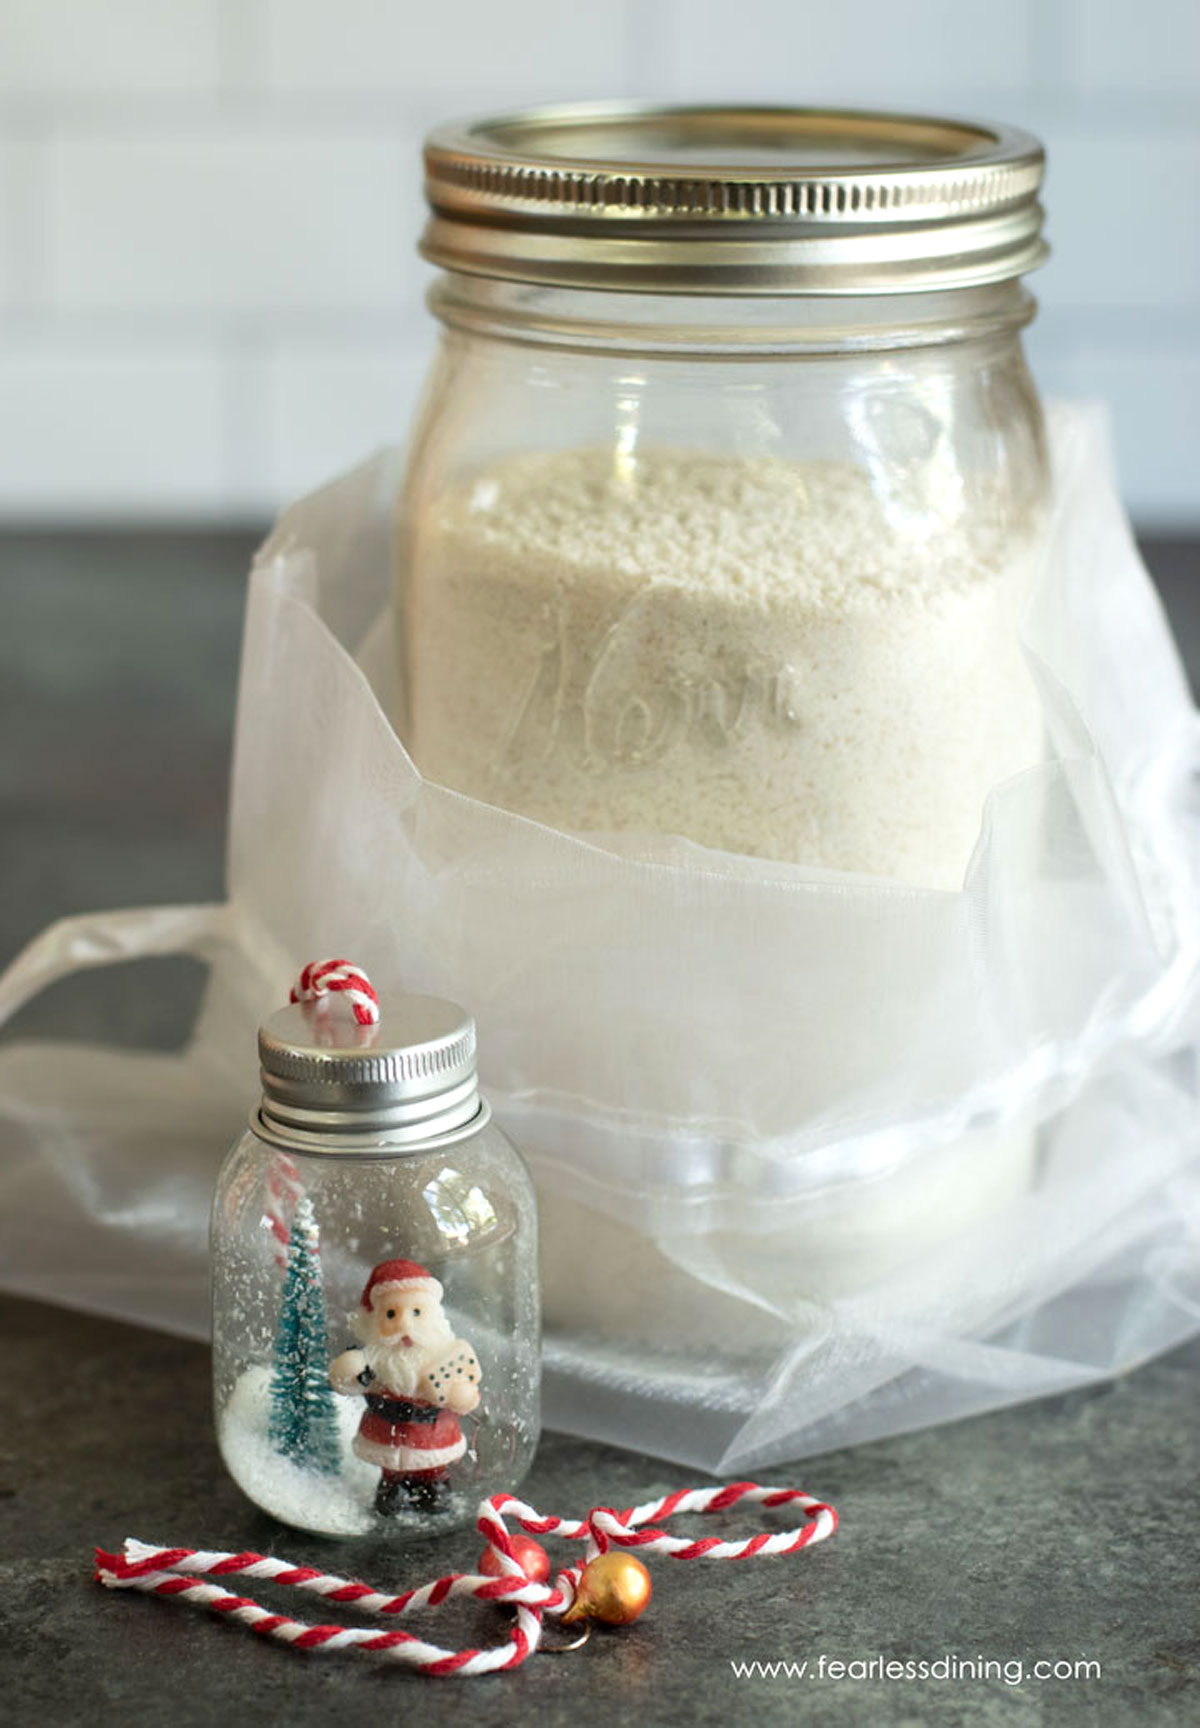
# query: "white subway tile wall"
x,y
846,52
210,297
1113,45
1124,211
518,51
88,422
330,400
229,219
117,48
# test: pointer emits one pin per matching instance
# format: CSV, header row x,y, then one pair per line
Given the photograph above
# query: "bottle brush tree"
x,y
303,1416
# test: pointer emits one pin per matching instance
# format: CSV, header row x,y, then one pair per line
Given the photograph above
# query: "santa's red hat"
x,y
398,1275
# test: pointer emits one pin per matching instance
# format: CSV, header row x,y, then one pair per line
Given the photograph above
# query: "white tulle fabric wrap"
x,y
821,1158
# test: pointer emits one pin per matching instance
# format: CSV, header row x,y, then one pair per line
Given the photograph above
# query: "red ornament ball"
x,y
531,1557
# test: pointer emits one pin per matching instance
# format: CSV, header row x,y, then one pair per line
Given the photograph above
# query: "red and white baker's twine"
x,y
322,978
182,1572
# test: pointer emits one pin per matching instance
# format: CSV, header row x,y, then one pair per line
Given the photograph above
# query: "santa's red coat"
x,y
408,1445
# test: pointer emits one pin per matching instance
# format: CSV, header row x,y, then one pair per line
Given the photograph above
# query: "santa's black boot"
x,y
391,1496
428,1492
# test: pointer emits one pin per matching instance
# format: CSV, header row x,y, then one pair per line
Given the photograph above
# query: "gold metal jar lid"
x,y
729,200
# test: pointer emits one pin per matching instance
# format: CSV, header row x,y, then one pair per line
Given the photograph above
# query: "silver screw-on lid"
x,y
409,1077
733,200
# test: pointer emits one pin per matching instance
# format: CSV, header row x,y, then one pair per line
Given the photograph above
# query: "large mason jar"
x,y
376,1317
726,491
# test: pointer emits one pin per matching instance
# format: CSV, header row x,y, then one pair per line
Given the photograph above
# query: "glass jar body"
x,y
296,1238
746,571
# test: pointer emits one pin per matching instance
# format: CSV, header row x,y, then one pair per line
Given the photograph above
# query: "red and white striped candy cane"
x,y
284,1188
324,978
319,982
183,1573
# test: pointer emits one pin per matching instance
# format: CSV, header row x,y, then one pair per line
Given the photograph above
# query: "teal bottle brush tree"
x,y
303,1419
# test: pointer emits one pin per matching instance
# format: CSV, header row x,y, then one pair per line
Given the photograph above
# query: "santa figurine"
x,y
417,1379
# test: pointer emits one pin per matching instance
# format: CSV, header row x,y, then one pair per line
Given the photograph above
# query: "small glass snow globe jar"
x,y
376,1317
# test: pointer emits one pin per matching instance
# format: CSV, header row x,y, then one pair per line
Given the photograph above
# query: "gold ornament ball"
x,y
615,1588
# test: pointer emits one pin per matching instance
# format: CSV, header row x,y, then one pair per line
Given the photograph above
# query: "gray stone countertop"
x,y
1060,1532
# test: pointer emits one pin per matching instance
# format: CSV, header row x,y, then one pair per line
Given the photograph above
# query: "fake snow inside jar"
x,y
375,1284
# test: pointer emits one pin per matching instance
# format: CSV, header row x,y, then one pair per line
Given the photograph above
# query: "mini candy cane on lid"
x,y
321,982
322,979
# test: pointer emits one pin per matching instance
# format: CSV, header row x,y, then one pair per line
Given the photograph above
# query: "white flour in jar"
x,y
762,656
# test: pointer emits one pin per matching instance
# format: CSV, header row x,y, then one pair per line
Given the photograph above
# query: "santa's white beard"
x,y
401,1366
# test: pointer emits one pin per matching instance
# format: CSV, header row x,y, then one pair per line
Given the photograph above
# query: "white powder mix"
x,y
758,655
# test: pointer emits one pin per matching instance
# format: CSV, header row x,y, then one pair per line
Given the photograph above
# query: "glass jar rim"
x,y
366,1142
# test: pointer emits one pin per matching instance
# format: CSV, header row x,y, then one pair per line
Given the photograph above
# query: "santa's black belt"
x,y
401,1409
